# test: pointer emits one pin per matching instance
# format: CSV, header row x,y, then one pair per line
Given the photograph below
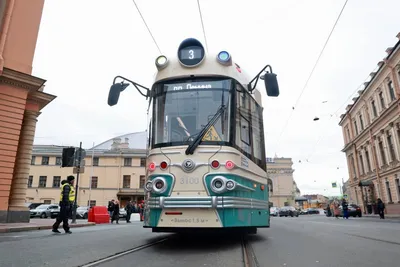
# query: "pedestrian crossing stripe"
x,y
211,135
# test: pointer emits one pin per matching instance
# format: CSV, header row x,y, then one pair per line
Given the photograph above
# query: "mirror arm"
x,y
136,86
251,88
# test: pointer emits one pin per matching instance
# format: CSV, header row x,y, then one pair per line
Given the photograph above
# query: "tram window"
x,y
257,132
243,122
244,130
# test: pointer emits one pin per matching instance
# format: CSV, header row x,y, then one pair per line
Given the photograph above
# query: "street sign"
x,y
345,196
81,170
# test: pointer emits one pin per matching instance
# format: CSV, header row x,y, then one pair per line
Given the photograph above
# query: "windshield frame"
x,y
231,94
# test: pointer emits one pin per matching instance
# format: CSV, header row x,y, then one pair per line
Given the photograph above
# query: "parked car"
x,y
32,206
353,209
122,213
45,211
288,211
312,211
82,212
274,211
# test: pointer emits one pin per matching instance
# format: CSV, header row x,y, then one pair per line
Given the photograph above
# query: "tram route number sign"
x,y
211,135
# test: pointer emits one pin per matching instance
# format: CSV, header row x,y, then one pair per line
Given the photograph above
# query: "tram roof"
x,y
209,67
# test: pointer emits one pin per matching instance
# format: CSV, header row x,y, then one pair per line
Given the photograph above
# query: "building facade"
x,y
280,171
21,100
371,132
117,171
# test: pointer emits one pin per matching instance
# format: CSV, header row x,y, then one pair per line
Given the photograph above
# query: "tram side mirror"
x,y
115,90
271,84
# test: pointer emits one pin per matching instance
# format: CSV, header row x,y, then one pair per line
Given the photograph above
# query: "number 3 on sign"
x,y
191,54
191,180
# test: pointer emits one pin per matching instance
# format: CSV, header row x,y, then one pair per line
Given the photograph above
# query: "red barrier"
x,y
98,215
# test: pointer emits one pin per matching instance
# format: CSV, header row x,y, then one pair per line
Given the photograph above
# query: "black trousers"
x,y
382,214
128,216
62,217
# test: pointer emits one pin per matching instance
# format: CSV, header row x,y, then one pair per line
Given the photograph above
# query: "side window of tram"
x,y
243,121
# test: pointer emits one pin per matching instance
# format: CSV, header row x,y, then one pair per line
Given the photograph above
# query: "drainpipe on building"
x,y
4,31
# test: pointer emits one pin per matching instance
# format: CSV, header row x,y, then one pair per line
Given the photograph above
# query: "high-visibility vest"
x,y
71,192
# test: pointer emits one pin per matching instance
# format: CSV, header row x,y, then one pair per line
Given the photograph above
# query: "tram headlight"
x,y
159,185
218,184
230,185
224,58
161,62
149,186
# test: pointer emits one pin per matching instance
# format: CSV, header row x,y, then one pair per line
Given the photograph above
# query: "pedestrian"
x,y
110,207
345,208
381,208
328,211
128,209
115,214
336,210
67,198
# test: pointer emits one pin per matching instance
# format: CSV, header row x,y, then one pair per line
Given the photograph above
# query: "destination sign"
x,y
191,53
197,85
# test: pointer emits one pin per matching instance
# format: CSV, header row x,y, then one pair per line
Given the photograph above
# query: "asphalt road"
x,y
306,241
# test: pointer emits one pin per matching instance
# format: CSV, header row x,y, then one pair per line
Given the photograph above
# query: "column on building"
x,y
371,155
18,212
396,141
386,147
366,170
378,153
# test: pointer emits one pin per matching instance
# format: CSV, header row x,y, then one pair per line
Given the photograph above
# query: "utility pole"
x,y
78,170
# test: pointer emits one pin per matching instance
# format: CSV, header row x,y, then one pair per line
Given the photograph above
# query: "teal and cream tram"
x,y
206,162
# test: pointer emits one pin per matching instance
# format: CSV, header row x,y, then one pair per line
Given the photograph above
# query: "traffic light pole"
x,y
77,184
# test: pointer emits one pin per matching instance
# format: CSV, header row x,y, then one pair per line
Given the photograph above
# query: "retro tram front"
x,y
206,163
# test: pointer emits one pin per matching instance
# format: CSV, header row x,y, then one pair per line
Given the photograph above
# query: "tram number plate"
x,y
189,180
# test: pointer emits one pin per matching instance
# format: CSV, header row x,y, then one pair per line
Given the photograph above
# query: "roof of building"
x,y
390,52
136,140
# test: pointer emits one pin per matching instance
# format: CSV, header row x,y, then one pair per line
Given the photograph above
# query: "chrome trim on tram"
x,y
206,202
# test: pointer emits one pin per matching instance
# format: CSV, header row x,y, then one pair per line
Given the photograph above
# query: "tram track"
x,y
123,253
249,257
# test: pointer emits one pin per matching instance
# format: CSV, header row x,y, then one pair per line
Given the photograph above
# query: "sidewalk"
x,y
387,216
38,224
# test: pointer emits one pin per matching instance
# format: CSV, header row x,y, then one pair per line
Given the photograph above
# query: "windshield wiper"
x,y
190,149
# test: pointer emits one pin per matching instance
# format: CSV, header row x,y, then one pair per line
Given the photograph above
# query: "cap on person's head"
x,y
70,178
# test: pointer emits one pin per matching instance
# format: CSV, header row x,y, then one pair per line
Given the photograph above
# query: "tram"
x,y
206,161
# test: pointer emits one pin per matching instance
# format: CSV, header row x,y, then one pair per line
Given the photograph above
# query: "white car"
x,y
274,211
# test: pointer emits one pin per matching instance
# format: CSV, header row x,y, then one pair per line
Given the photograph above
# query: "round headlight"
x,y
149,186
159,184
218,184
230,184
224,57
161,62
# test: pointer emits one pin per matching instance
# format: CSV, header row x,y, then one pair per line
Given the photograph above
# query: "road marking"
x,y
376,239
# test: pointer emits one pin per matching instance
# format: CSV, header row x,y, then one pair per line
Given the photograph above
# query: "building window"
x,y
361,164
94,182
127,162
348,133
355,127
391,146
42,181
142,162
58,161
382,99
56,181
368,161
30,181
92,203
45,160
353,167
142,181
397,182
126,181
361,122
33,160
389,193
47,201
391,91
95,161
375,113
383,155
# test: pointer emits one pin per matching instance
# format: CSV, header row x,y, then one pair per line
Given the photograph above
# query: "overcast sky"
x,y
82,45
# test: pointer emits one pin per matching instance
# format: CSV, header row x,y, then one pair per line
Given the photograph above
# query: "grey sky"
x,y
82,45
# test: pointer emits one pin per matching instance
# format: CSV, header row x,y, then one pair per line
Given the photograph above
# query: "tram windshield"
x,y
182,108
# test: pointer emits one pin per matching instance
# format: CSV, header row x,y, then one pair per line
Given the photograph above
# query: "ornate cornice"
x,y
21,80
41,98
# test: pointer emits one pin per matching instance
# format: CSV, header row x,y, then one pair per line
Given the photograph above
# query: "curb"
x,y
41,227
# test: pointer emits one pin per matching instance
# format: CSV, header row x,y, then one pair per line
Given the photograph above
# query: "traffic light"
x,y
68,157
